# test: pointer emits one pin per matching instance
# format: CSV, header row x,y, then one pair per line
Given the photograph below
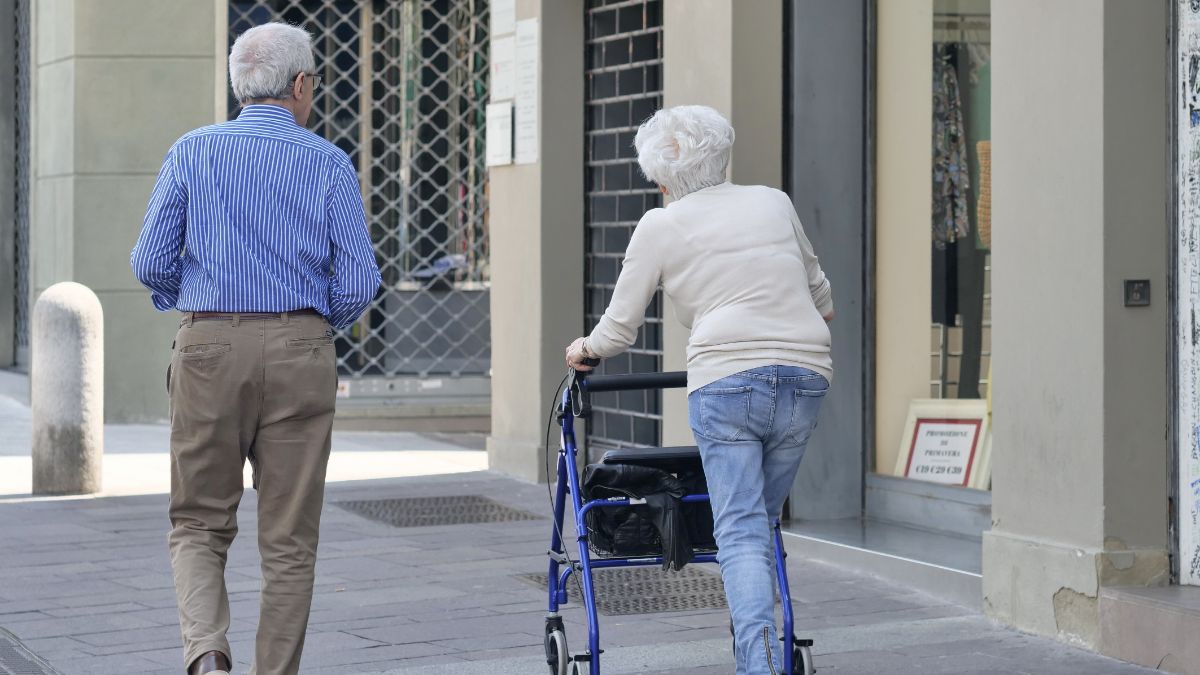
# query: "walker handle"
x,y
668,380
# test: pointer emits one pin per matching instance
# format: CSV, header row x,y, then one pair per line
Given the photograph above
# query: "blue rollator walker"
x,y
574,403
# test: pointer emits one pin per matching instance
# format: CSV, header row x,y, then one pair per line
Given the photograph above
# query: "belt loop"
x,y
187,318
283,318
237,319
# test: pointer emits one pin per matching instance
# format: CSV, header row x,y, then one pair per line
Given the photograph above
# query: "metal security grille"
x,y
21,288
406,87
624,87
647,590
442,510
16,659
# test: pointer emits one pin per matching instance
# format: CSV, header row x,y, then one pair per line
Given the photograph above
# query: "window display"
x,y
933,256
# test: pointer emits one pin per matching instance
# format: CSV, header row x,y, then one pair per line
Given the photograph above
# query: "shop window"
x,y
934,320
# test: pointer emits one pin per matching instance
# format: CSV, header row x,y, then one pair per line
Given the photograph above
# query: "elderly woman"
x,y
743,277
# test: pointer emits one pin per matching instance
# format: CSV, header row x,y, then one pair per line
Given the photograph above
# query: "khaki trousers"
x,y
260,389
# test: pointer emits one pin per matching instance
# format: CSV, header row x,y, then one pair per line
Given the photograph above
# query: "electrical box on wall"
x,y
1137,292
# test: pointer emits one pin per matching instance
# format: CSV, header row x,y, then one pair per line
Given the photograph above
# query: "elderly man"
x,y
256,232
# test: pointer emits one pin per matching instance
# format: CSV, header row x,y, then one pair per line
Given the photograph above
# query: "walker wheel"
x,y
556,652
580,667
802,661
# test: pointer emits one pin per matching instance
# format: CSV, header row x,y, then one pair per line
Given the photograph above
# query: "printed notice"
x,y
504,57
943,450
527,92
499,134
504,16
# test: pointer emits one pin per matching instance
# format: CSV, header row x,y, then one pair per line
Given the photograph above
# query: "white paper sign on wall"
x,y
504,16
499,134
503,68
527,92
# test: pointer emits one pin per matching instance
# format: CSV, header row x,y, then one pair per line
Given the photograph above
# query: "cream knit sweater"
x,y
742,275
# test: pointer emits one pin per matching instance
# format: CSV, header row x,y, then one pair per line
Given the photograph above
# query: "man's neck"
x,y
288,105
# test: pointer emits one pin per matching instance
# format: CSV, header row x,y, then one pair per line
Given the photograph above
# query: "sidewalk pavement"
x,y
136,455
86,584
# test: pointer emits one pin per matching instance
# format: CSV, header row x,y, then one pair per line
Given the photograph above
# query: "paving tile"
x,y
491,642
385,655
88,610
106,665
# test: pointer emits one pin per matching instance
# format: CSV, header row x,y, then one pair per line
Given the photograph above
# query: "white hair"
x,y
265,60
684,148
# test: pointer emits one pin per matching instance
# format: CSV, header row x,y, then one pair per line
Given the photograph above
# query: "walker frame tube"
x,y
568,483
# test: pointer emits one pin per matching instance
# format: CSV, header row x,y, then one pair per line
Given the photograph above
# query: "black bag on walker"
x,y
664,525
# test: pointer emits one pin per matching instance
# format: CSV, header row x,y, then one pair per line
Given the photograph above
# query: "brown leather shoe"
x,y
211,663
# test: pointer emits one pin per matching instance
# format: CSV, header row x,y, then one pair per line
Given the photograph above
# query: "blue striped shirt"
x,y
257,215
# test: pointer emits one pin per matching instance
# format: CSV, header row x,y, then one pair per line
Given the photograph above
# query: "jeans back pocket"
x,y
725,413
805,406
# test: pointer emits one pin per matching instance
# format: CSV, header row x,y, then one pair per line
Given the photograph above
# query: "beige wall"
x,y
115,83
727,55
903,184
537,252
1042,210
1079,199
1137,235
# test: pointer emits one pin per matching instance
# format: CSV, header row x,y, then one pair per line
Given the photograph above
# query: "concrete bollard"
x,y
67,382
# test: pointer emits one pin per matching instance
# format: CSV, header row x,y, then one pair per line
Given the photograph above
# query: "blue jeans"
x,y
752,429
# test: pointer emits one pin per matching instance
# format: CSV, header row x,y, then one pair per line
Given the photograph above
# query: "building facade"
x,y
1000,192
1021,300
103,90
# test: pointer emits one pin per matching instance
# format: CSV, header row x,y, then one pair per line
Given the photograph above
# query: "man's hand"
x,y
576,353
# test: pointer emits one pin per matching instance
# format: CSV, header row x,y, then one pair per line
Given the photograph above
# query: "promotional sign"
x,y
943,451
947,441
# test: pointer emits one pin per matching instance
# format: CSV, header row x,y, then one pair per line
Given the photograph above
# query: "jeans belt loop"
x,y
237,319
283,318
188,317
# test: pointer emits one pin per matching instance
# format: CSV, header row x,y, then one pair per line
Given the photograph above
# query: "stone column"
x,y
1079,187
116,83
537,251
728,55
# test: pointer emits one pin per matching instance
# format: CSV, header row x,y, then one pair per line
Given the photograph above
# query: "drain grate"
x,y
646,590
16,659
443,510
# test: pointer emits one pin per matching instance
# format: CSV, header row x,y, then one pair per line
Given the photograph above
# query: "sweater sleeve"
x,y
636,285
818,284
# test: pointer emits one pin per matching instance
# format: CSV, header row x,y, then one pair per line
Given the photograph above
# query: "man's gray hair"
x,y
265,60
684,148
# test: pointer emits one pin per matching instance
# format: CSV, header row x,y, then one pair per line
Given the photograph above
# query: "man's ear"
x,y
298,86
